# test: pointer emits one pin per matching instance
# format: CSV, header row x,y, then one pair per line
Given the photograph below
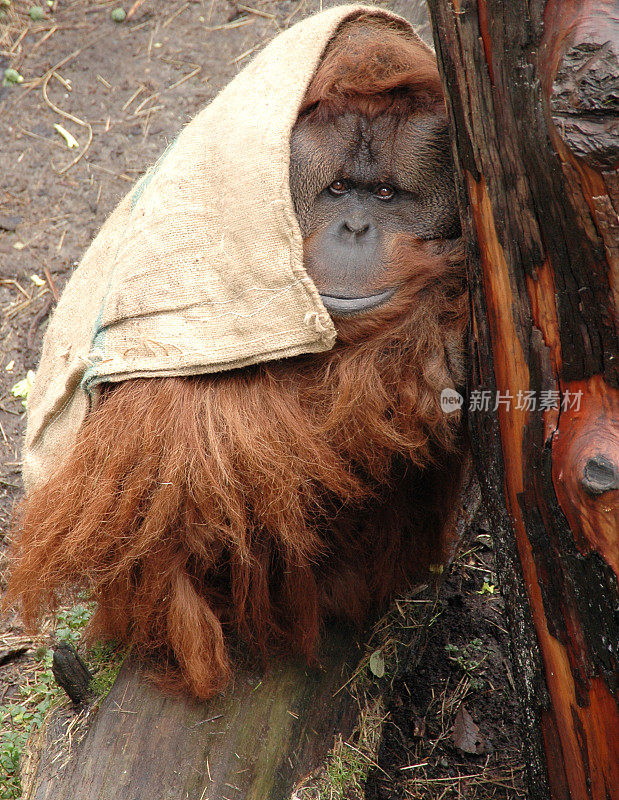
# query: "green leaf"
x,y
11,76
22,388
377,663
68,137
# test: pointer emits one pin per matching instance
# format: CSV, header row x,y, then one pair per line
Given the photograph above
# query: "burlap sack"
x,y
199,268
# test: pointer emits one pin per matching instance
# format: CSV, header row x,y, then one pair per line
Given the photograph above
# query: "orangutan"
x,y
252,504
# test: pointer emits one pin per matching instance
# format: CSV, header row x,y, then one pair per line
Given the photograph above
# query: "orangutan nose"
x,y
356,226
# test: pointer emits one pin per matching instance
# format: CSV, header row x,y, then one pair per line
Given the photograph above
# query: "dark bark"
x,y
534,114
71,673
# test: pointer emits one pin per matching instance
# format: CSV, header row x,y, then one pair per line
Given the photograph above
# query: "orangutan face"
x,y
358,183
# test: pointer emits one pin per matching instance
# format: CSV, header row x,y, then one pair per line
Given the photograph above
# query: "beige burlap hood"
x,y
200,267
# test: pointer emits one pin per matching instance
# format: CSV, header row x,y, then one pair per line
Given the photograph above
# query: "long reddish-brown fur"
x,y
253,504
374,70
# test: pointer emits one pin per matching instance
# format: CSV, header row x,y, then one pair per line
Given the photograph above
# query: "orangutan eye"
x,y
384,191
338,188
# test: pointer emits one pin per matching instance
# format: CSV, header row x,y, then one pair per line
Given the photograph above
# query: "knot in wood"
x,y
600,475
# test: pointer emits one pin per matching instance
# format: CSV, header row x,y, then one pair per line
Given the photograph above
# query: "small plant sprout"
x,y
469,658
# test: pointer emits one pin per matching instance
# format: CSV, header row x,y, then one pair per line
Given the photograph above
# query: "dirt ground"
x,y
123,90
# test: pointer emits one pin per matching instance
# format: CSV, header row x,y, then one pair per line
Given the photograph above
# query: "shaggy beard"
x,y
256,503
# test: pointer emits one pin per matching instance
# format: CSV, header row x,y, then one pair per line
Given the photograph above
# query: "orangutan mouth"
x,y
355,305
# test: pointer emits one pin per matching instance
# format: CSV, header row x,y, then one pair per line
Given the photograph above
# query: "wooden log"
x,y
255,742
532,98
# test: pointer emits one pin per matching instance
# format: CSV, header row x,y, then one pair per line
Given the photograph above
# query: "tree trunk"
x,y
532,99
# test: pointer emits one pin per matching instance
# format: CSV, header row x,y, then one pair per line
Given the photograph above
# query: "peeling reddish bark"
x,y
535,115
